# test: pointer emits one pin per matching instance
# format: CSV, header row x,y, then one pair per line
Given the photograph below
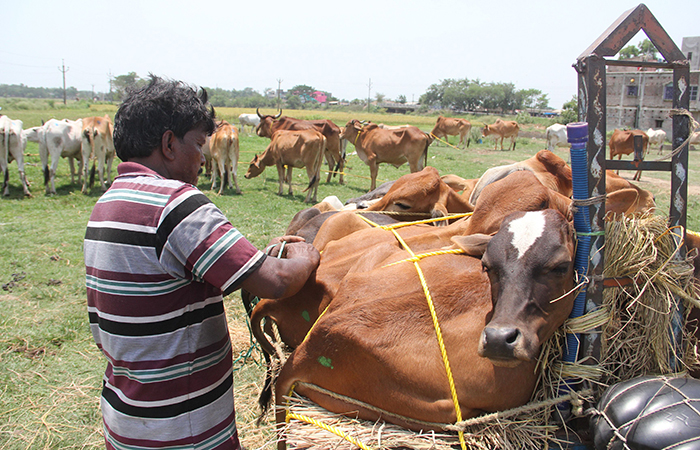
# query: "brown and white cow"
x,y
494,313
453,127
502,129
622,143
292,148
98,143
334,154
224,149
344,238
375,145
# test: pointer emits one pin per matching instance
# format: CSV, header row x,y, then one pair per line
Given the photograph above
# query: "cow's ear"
x,y
473,244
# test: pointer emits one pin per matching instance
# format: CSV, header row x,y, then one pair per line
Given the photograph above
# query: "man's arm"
x,y
283,277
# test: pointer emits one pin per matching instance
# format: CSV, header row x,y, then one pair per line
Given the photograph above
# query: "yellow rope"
x,y
416,258
438,333
328,428
444,142
406,224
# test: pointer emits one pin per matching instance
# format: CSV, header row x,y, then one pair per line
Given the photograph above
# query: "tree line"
x,y
455,94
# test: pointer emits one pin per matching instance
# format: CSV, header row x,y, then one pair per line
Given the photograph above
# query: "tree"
x,y
647,48
631,51
302,89
294,102
380,97
401,99
123,82
644,48
569,111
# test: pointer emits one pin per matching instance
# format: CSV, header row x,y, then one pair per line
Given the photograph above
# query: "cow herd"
x,y
90,139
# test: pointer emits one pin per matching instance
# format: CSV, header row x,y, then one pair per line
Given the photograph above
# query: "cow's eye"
x,y
403,206
484,268
561,269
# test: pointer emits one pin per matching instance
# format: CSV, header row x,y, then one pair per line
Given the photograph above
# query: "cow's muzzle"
x,y
502,345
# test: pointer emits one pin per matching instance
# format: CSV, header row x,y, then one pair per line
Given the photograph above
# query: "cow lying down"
x,y
376,342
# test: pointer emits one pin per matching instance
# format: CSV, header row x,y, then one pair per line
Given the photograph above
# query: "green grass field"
x,y
50,369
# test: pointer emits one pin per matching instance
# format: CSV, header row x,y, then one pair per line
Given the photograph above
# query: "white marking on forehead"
x,y
526,230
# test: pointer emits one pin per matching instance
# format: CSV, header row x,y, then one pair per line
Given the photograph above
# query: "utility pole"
x,y
110,84
369,94
64,69
279,91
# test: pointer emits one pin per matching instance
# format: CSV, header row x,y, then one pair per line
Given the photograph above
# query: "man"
x,y
159,257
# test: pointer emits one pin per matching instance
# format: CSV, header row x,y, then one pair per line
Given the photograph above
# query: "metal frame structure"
x,y
591,68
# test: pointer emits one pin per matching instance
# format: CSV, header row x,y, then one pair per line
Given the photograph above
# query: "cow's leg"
x,y
214,170
373,171
234,169
86,151
55,157
44,157
110,158
222,173
281,176
289,179
331,164
6,181
101,155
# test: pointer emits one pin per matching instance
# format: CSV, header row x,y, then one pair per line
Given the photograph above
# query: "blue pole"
x,y
577,135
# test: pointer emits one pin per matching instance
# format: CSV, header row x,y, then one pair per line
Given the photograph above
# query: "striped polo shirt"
x,y
159,256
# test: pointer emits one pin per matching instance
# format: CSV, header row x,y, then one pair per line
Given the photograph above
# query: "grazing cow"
x,y
292,148
622,143
396,147
58,139
495,313
453,127
13,141
97,142
224,149
556,136
657,137
335,156
502,129
248,120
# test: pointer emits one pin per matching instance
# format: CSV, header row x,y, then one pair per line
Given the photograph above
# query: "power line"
x,y
63,69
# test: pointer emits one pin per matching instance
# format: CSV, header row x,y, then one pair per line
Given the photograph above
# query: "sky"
x,y
350,49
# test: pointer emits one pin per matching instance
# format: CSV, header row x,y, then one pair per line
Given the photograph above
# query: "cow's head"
x,y
264,128
255,168
486,130
530,263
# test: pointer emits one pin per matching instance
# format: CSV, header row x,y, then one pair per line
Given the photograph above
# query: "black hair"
x,y
148,112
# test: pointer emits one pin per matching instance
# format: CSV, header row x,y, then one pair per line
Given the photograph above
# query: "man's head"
x,y
150,112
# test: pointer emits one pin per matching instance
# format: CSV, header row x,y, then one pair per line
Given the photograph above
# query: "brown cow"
x,y
494,313
375,145
454,127
344,237
335,155
622,143
300,148
422,191
623,197
97,141
224,149
502,129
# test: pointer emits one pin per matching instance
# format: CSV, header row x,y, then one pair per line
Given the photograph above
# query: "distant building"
x,y
642,97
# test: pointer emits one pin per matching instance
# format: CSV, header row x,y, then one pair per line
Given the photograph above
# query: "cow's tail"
x,y
43,143
267,349
428,141
46,174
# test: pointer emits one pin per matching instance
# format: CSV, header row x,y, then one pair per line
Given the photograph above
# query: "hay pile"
x,y
634,323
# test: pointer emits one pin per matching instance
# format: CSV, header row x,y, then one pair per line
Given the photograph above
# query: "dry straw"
x,y
634,323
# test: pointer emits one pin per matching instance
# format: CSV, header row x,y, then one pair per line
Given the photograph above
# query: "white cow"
x,y
656,137
58,139
556,136
13,141
251,120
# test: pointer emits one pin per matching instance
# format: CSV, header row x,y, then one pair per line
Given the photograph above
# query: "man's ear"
x,y
166,145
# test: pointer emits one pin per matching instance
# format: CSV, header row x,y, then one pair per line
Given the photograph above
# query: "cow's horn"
x,y
278,115
257,111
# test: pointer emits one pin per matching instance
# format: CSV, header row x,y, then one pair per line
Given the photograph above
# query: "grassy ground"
x,y
50,369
